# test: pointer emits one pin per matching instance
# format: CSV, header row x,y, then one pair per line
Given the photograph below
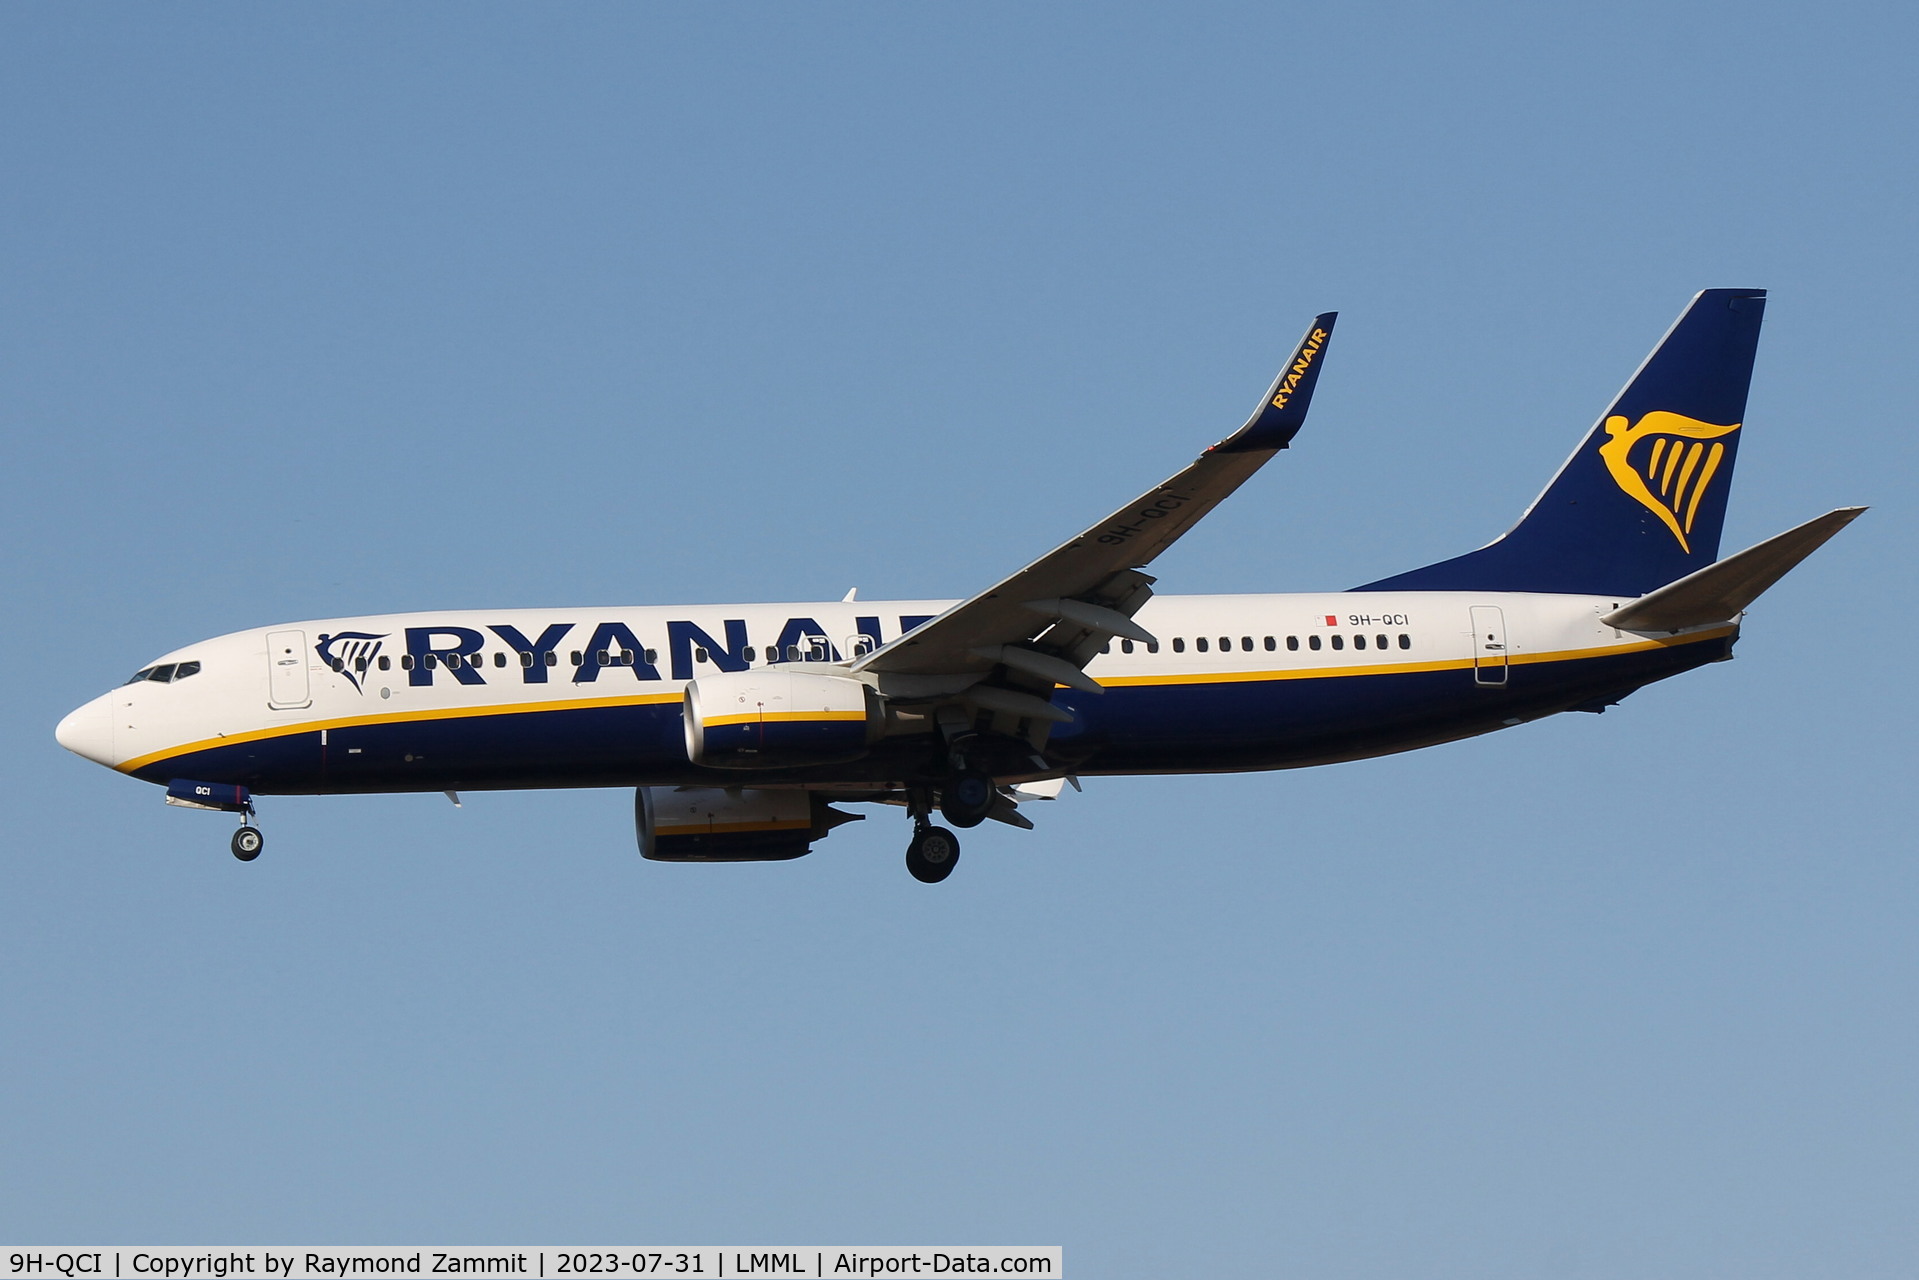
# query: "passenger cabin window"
x,y
499,659
1179,644
1405,641
1225,644
1380,641
574,657
748,653
1359,642
1312,642
526,658
1126,646
406,662
1153,647
1339,641
1292,642
1246,644
699,655
1200,644
386,663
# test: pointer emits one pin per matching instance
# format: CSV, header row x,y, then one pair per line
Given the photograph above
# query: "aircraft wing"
x,y
1048,620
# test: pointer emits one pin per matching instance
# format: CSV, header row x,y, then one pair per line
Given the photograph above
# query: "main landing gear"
x,y
247,842
932,854
934,850
967,798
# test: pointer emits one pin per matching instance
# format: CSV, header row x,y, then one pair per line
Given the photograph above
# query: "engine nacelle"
x,y
712,824
775,717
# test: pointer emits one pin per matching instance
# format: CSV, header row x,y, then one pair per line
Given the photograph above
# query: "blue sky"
x,y
316,311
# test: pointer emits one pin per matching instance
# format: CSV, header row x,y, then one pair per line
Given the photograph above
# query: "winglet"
x,y
1283,412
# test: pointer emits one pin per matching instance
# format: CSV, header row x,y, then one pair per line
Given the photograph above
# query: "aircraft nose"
x,y
88,731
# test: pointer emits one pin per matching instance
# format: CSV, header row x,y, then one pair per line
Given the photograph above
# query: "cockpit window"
x,y
166,672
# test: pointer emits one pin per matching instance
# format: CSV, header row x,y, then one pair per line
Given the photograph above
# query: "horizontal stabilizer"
x,y
1720,591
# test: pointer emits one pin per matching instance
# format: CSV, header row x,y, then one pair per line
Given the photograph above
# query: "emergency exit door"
x,y
1489,645
287,669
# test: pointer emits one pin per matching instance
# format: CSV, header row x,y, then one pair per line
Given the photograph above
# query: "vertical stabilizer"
x,y
1642,500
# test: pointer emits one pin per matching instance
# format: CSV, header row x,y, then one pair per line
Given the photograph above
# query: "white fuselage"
x,y
398,673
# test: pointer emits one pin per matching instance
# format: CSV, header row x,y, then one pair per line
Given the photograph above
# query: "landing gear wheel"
x,y
247,843
932,854
967,798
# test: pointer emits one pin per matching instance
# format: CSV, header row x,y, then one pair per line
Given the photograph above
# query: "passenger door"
x,y
287,669
1489,645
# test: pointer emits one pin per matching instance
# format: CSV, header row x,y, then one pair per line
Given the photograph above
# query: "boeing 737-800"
x,y
742,726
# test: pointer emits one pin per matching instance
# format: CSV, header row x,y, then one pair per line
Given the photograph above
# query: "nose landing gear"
x,y
247,843
222,797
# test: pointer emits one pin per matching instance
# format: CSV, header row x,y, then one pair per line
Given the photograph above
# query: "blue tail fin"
x,y
1641,501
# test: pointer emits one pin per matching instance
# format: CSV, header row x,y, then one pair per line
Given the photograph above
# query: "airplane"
x,y
741,727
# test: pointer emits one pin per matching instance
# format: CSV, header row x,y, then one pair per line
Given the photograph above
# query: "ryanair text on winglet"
x,y
1308,350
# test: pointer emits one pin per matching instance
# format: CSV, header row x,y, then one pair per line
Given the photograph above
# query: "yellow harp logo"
x,y
1670,475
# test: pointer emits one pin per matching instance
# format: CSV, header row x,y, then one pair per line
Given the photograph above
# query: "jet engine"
x,y
774,717
714,824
